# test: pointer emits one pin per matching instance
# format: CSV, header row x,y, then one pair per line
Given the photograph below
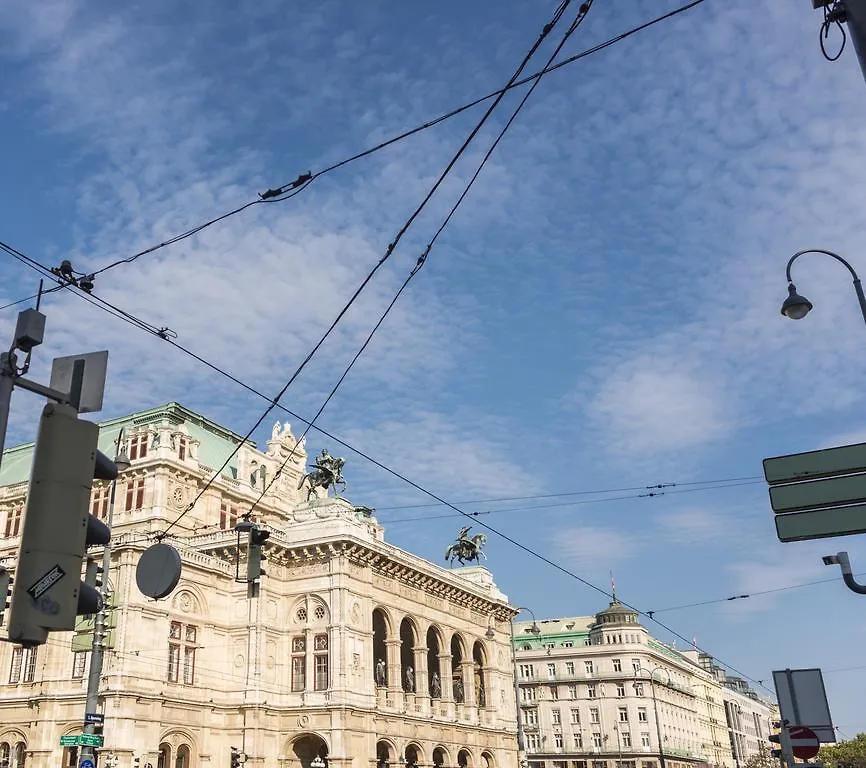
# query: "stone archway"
x,y
307,747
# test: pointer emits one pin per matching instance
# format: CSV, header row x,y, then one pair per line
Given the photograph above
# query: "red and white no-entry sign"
x,y
804,742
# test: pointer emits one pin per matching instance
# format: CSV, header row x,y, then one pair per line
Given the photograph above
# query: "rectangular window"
x,y
182,447
587,665
645,739
622,714
134,494
15,668
596,740
228,516
569,667
568,644
620,690
138,446
554,693
578,741
181,650
13,521
626,739
617,665
572,691
594,716
557,740
590,691
641,714
635,665
526,671
575,717
79,664
556,716
532,742
530,716
528,693
551,671
320,648
299,664
99,501
638,689
30,664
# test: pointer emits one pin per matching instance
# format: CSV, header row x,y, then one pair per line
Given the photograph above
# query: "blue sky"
x,y
602,312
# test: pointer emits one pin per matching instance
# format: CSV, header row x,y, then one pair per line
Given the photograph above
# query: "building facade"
x,y
350,650
601,692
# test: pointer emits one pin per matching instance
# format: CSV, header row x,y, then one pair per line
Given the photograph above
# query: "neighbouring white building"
x,y
601,692
287,676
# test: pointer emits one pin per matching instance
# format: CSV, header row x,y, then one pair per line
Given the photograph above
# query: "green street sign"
x,y
82,740
818,494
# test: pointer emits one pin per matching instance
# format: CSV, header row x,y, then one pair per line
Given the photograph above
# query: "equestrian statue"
x,y
327,473
466,548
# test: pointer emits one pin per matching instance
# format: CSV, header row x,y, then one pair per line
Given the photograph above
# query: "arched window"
x,y
4,754
383,754
407,655
440,759
70,757
181,760
20,755
310,646
457,669
434,648
464,759
380,651
163,759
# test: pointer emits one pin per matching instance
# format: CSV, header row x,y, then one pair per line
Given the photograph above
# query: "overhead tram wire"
x,y
290,189
439,500
582,502
387,255
599,491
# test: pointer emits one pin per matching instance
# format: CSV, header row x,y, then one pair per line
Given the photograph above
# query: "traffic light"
x,y
776,738
93,574
255,556
236,758
47,593
136,761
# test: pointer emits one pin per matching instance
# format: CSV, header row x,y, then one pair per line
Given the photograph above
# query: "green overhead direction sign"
x,y
818,494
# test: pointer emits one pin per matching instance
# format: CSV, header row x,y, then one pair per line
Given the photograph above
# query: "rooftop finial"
x,y
612,587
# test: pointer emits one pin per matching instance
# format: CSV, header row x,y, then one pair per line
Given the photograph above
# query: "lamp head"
x,y
122,462
489,634
795,307
535,629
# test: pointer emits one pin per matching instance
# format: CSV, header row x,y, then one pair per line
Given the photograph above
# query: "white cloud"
x,y
592,549
694,525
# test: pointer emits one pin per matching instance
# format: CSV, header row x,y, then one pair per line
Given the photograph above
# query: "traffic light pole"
x,y
97,649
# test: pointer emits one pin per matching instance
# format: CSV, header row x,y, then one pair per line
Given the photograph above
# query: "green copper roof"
x,y
215,442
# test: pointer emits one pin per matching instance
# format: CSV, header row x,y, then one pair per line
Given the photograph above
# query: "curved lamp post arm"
x,y
861,298
843,561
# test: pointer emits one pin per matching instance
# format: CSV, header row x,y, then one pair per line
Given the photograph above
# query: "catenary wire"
x,y
385,257
289,190
561,504
751,594
595,492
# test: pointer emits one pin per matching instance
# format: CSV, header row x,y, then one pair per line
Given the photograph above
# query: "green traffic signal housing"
x,y
255,556
48,593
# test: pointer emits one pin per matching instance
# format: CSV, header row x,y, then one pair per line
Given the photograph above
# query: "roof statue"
x,y
466,549
327,473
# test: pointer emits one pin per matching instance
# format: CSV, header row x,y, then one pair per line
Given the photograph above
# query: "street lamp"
x,y
796,307
652,674
521,736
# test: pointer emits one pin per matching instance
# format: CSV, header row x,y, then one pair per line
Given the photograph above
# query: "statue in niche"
x,y
409,676
275,432
480,698
381,673
459,695
287,430
435,686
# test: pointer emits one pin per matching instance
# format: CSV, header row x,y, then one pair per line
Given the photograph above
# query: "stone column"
x,y
395,683
422,681
445,679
